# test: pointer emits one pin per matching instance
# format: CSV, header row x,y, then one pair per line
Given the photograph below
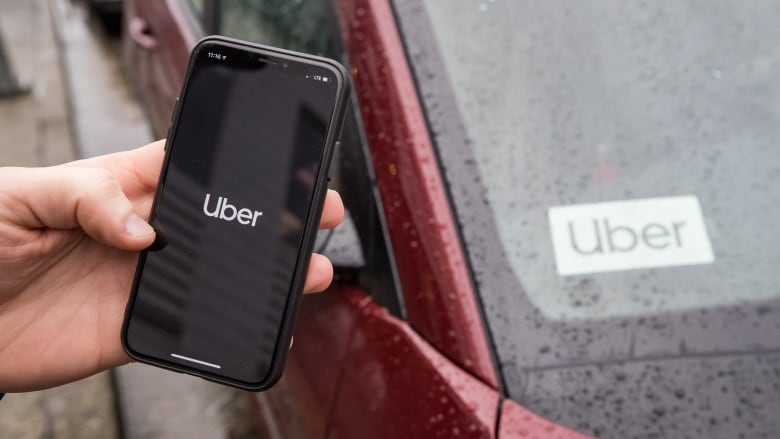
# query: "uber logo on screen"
x,y
228,212
630,234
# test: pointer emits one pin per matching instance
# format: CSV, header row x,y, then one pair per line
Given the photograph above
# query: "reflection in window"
x,y
197,7
303,25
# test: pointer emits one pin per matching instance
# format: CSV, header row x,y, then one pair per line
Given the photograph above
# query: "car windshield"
x,y
615,169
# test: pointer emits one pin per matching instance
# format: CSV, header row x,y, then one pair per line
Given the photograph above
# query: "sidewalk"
x,y
35,131
81,106
34,127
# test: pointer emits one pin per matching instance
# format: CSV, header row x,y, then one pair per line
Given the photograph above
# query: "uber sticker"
x,y
630,234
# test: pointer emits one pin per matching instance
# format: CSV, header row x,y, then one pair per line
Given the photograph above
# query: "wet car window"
x,y
304,25
615,170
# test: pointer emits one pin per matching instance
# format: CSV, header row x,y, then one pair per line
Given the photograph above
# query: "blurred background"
x,y
64,96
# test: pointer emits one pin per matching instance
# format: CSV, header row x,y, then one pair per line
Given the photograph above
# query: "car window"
x,y
306,25
199,14
197,7
311,26
615,171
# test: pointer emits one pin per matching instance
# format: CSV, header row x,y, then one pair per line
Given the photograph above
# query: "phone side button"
x,y
175,109
336,147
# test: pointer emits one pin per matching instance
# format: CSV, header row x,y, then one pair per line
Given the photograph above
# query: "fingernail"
x,y
136,226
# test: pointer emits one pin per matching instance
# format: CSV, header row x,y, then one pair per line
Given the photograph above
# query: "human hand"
x,y
69,242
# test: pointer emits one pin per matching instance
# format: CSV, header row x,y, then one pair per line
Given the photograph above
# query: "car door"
x,y
159,35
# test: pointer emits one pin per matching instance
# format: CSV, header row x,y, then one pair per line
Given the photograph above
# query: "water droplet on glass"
x,y
716,73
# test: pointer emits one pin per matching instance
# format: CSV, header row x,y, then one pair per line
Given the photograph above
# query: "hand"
x,y
69,242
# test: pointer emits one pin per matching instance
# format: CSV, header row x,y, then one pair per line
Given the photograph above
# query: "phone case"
x,y
309,233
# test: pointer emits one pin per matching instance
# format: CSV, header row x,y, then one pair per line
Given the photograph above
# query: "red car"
x,y
562,218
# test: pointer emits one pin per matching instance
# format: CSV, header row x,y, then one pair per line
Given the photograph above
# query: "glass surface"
x,y
304,25
244,161
537,105
579,106
197,7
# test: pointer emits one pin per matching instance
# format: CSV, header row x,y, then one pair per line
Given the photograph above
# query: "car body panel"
x,y
518,423
395,385
299,405
439,297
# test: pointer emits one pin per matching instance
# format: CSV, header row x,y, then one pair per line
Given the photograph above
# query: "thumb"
x,y
63,197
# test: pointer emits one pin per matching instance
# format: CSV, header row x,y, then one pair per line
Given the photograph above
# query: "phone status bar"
x,y
320,78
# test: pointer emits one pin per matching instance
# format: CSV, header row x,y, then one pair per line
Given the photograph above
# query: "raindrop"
x,y
716,73
648,73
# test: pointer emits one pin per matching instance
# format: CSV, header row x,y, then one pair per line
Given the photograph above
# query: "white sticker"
x,y
630,234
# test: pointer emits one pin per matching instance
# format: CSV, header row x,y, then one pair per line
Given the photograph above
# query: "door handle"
x,y
141,34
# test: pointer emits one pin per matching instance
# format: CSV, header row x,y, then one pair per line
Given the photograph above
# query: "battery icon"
x,y
325,79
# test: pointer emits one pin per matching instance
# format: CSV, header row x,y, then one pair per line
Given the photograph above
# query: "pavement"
x,y
80,105
35,131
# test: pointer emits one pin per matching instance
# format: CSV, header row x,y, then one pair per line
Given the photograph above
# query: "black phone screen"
x,y
244,157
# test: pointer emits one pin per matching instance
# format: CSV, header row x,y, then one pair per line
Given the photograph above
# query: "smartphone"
x,y
236,211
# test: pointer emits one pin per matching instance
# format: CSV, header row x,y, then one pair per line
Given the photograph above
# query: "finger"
x,y
333,212
320,274
145,163
63,197
135,169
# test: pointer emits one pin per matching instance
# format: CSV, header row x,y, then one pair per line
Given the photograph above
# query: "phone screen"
x,y
237,190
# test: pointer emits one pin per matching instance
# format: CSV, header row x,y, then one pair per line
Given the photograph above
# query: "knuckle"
x,y
100,184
